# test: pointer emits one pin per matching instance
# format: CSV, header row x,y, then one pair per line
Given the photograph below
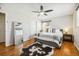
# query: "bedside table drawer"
x,y
68,37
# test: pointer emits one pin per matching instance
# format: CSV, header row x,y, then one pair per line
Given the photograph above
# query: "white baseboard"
x,y
76,46
9,44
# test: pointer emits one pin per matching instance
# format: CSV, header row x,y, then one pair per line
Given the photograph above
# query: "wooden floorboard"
x,y
67,49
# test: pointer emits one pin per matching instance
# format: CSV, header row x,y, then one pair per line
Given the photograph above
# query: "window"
x,y
78,17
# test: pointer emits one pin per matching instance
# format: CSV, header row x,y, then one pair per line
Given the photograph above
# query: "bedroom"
x,y
62,17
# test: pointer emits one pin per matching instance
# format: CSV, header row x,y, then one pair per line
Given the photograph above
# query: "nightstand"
x,y
68,37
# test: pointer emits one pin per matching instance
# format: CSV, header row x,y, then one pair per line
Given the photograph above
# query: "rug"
x,y
37,49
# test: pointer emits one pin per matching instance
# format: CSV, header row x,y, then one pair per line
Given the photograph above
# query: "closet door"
x,y
2,27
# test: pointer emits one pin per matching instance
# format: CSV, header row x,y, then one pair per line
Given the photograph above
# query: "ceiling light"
x,y
42,13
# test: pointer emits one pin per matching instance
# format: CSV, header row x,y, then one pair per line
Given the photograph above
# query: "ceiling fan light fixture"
x,y
42,13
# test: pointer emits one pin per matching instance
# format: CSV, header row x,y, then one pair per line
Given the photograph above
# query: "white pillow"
x,y
57,30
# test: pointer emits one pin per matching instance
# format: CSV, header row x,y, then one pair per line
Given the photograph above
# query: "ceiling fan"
x,y
42,12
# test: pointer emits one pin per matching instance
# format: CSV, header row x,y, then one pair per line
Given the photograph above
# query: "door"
x,y
2,27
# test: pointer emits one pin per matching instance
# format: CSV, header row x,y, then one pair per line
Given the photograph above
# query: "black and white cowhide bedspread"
x,y
37,49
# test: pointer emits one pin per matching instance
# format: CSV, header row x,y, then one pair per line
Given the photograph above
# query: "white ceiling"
x,y
60,9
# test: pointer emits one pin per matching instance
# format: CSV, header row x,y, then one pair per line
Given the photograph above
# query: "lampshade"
x,y
66,30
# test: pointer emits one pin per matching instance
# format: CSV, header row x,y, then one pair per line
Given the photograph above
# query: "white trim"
x,y
76,46
8,44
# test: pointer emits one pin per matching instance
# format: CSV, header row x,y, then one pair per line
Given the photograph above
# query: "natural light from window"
x,y
78,17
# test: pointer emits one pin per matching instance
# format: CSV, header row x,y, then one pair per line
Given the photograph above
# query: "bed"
x,y
53,39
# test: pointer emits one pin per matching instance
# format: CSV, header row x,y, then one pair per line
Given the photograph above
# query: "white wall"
x,y
19,13
63,22
75,30
23,13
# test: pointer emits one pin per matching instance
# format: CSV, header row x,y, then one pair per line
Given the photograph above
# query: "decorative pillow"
x,y
61,30
53,30
57,30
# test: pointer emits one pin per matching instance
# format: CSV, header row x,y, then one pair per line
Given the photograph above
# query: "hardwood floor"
x,y
67,49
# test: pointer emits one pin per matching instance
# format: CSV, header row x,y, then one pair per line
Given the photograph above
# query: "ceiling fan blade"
x,y
36,11
45,14
38,15
48,10
41,8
